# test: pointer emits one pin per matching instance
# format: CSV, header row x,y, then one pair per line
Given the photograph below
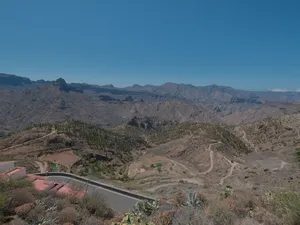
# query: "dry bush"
x,y
192,216
179,199
266,218
21,198
220,215
202,198
97,206
240,203
163,218
23,210
92,221
114,220
35,214
68,214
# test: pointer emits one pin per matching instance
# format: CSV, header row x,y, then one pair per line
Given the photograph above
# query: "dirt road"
x,y
211,156
182,166
28,142
244,137
175,182
282,165
229,173
43,166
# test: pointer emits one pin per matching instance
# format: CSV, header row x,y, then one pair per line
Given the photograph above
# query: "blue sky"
x,y
247,44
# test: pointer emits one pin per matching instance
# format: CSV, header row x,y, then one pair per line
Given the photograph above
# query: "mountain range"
x,y
24,102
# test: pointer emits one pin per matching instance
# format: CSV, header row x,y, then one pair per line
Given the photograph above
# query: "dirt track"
x,y
211,155
43,166
28,142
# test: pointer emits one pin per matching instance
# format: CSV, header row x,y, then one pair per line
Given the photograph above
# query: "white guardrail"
x,y
96,183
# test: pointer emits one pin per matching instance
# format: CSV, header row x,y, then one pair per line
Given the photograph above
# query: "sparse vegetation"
x,y
157,166
227,191
298,154
19,198
212,131
146,207
284,204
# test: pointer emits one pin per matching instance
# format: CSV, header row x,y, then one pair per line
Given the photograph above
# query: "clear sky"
x,y
247,44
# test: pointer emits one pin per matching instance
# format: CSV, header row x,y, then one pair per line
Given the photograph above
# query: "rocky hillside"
x,y
50,103
71,142
31,102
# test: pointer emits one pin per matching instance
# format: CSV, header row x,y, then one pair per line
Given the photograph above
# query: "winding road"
x,y
119,200
211,156
229,173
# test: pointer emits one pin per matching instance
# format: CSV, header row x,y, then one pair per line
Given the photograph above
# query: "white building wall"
x,y
6,166
18,174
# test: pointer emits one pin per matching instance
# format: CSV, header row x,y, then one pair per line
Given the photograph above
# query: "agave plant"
x,y
192,200
145,207
228,191
132,219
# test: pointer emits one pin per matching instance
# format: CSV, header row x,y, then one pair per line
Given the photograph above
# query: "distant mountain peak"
x,y
136,86
169,84
108,86
63,86
13,80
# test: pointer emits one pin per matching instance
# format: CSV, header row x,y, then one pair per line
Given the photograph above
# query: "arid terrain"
x,y
24,102
256,156
160,145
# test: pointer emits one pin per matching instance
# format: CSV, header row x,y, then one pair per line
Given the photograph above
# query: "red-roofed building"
x,y
9,171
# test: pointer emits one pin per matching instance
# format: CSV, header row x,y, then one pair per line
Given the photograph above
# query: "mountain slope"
x,y
13,80
48,103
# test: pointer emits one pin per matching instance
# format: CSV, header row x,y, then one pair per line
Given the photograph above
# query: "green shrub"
x,y
146,207
13,184
298,154
227,191
285,204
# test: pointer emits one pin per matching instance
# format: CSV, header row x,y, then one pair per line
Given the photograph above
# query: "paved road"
x,y
120,202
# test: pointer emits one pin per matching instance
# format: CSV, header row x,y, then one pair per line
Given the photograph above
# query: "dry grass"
x,y
97,206
34,206
285,205
163,218
21,197
23,210
68,215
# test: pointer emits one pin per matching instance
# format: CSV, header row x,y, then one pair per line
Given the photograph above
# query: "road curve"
x,y
211,156
118,199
